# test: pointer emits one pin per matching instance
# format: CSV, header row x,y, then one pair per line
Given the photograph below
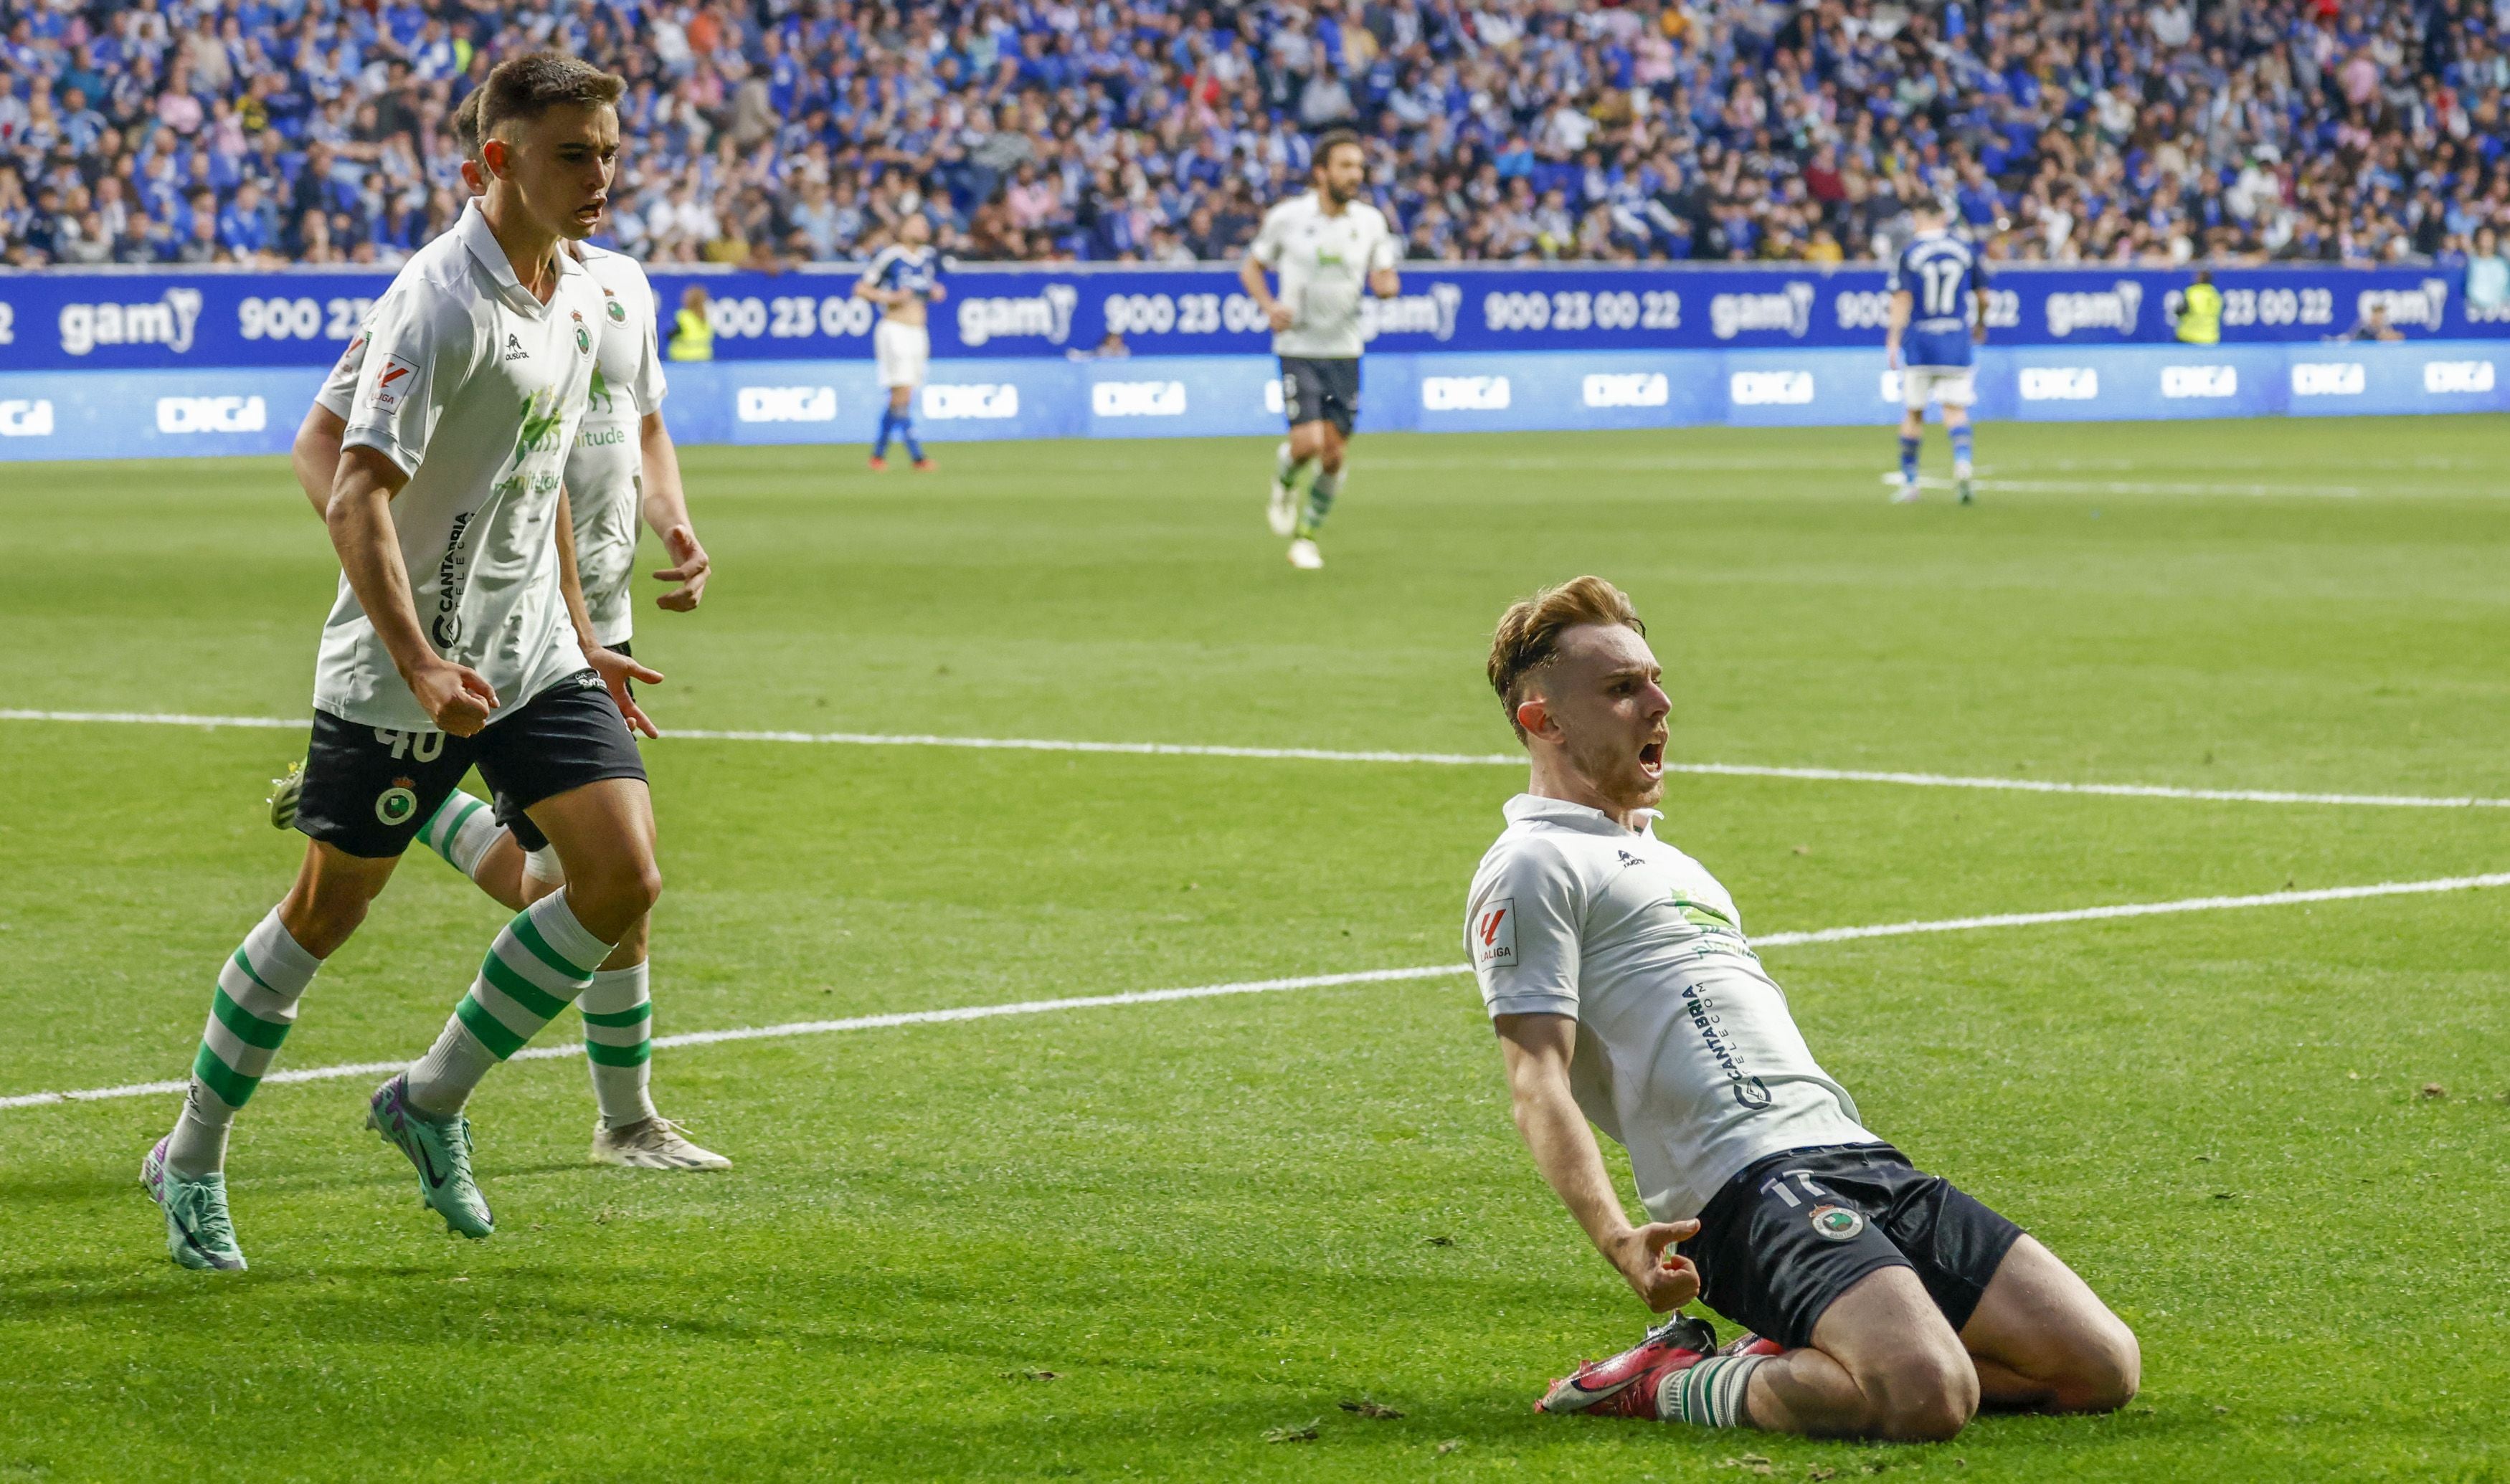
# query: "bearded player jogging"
x,y
1881,1302
459,636
1327,247
621,464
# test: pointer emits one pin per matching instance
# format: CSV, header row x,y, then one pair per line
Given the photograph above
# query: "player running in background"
x,y
459,636
1938,312
1329,247
621,464
904,279
1883,1302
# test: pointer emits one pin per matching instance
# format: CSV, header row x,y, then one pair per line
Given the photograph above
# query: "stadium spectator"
x,y
2155,131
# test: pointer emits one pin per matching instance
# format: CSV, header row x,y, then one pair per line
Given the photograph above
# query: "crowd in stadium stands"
x,y
775,131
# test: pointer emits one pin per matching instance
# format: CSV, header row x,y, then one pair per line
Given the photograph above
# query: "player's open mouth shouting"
x,y
1652,758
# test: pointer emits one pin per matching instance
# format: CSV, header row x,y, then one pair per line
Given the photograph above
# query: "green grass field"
x,y
1133,1240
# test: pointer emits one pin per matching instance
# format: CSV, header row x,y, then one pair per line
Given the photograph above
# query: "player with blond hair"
x,y
1880,1301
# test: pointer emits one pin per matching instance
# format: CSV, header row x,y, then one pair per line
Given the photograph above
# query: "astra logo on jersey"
x,y
1790,310
1046,316
449,576
515,348
1495,935
167,323
2113,310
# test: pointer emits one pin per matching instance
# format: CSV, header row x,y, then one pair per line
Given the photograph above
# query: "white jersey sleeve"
x,y
419,353
1271,237
340,388
651,387
1388,250
1521,928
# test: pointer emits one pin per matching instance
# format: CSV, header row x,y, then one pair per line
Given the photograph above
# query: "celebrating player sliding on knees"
x,y
1881,1302
459,636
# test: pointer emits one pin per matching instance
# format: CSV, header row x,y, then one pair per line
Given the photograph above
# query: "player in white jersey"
x,y
904,281
460,636
1880,1301
1329,247
621,465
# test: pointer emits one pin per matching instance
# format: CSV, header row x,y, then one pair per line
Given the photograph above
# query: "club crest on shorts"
x,y
396,804
1836,1223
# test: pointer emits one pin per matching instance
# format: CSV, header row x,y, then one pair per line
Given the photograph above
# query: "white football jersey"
x,y
605,465
1686,1053
1323,262
474,389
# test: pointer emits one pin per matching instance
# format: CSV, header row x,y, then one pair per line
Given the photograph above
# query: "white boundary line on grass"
x,y
796,1028
1440,760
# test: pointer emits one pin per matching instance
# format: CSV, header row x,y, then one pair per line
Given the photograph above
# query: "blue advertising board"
x,y
63,320
46,415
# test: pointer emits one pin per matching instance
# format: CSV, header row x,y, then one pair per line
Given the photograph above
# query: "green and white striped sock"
x,y
1321,502
619,1043
250,1014
537,966
460,830
1710,1394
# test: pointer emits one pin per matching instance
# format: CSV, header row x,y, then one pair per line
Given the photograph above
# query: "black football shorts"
x,y
369,789
1794,1231
1320,390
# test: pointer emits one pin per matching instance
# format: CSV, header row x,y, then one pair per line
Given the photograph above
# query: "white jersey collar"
x,y
1531,809
474,231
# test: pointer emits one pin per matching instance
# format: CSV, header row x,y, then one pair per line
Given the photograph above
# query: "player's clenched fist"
x,y
456,696
1665,1280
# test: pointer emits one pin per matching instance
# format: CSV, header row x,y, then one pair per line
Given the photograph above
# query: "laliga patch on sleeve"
x,y
393,384
1495,935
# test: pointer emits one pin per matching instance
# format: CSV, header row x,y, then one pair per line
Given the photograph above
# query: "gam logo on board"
x,y
2420,308
1788,311
1044,315
1433,314
2110,308
167,323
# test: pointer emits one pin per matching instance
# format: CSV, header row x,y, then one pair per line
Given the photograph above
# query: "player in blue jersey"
x,y
904,279
1938,312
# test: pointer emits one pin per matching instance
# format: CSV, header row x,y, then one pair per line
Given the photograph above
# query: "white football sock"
x,y
619,1043
538,965
461,830
250,1016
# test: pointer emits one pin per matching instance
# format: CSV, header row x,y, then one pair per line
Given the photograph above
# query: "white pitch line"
x,y
796,1028
1439,759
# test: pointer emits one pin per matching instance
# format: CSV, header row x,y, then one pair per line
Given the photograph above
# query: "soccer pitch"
x,y
1151,1238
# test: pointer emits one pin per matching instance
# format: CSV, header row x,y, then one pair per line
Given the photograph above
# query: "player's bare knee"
x,y
1924,1398
322,916
2102,1372
614,897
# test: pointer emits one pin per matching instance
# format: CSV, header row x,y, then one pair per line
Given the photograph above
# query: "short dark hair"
x,y
527,87
1529,633
1333,139
466,122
